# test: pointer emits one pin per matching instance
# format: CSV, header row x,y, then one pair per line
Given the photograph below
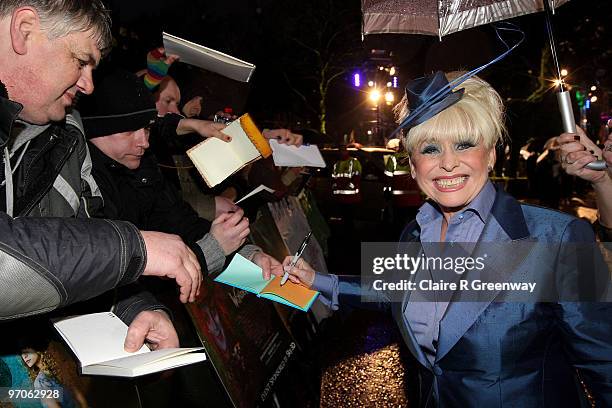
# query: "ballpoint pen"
x,y
296,257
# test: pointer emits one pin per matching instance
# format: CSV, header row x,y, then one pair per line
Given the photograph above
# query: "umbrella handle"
x,y
567,114
569,124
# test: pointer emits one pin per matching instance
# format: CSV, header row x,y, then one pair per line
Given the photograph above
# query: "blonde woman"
x,y
487,353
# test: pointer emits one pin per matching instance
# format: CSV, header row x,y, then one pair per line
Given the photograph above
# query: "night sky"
x,y
267,32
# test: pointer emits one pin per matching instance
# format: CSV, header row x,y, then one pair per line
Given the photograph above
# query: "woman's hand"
x,y
230,230
302,273
577,150
607,153
204,128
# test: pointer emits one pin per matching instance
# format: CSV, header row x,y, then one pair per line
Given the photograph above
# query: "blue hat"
x,y
430,95
427,97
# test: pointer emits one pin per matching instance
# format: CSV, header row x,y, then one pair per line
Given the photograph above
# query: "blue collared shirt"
x,y
465,226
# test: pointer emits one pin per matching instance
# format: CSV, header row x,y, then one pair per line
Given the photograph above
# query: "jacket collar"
x,y
9,111
98,156
509,214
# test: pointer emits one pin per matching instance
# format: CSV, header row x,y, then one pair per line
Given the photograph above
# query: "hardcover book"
x,y
216,160
244,274
97,341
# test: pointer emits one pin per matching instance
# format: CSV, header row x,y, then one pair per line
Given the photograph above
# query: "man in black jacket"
x,y
117,119
48,51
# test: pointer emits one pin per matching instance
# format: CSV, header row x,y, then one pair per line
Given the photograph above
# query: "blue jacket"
x,y
511,354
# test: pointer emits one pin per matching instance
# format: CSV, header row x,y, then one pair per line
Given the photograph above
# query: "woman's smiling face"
x,y
451,173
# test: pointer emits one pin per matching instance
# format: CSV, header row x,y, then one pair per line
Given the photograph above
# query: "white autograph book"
x,y
293,156
207,58
97,341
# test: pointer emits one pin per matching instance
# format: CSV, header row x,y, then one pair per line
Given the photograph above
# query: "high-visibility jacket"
x,y
346,180
400,184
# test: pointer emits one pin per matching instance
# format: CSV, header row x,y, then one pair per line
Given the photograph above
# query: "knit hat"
x,y
119,103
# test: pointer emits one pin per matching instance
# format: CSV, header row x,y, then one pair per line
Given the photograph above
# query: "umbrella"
x,y
443,17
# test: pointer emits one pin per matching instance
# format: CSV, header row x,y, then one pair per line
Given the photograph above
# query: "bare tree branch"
x,y
299,94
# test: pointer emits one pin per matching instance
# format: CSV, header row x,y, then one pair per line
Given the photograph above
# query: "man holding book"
x,y
52,255
117,119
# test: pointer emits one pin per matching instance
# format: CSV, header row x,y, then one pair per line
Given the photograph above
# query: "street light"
x,y
374,96
564,72
389,97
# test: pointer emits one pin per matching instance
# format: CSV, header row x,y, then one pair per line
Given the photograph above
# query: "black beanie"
x,y
120,103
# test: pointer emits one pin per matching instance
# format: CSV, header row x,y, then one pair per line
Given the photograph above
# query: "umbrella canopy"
x,y
442,17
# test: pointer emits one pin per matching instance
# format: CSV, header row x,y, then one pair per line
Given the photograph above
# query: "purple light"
x,y
395,82
357,79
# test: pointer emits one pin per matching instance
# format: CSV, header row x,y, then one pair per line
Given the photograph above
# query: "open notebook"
x,y
97,341
244,274
216,160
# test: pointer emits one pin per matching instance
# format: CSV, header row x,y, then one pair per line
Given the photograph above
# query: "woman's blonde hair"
x,y
477,117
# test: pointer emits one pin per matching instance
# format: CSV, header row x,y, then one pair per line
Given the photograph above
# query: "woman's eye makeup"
x,y
430,149
434,148
464,145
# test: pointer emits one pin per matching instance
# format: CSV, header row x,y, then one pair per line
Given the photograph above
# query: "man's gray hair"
x,y
62,17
